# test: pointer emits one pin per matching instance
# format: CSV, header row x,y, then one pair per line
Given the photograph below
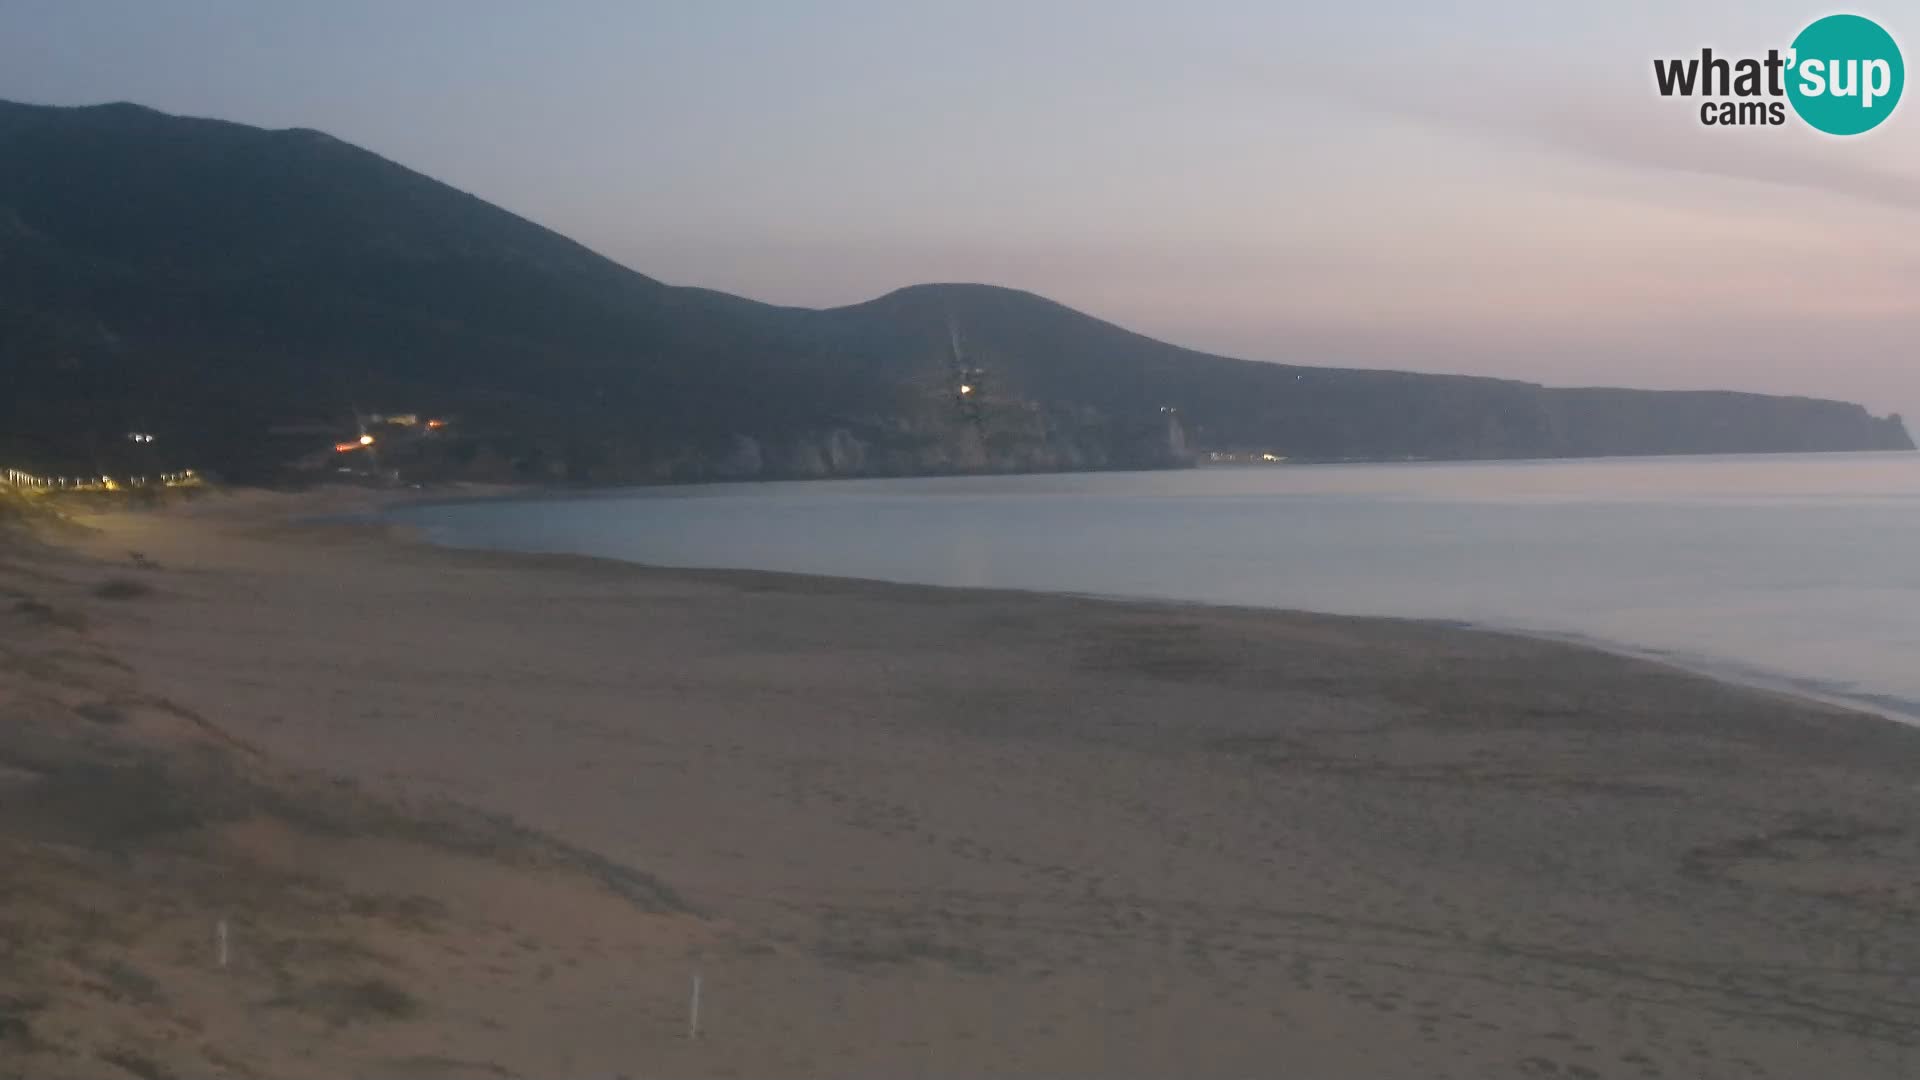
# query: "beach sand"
x,y
471,814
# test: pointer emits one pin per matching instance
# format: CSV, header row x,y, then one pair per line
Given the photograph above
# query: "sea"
x,y
1795,572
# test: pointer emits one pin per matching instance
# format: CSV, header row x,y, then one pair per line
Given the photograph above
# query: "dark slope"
x,y
216,279
1051,352
215,282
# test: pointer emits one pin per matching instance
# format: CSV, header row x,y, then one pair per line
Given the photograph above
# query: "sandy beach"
x,y
467,814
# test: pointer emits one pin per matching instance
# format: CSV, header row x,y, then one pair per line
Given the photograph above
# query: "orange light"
x,y
436,423
344,447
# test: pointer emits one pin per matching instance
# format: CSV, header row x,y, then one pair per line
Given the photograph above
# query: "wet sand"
x,y
916,831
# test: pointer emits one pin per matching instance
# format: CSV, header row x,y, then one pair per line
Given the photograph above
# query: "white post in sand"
x,y
693,1010
220,941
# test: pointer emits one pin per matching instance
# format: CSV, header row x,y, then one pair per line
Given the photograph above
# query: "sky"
x,y
1481,187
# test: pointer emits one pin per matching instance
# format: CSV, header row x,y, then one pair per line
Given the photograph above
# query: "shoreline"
x,y
922,829
1877,707
1805,688
535,493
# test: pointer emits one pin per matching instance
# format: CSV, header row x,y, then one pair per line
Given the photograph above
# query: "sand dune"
x,y
495,811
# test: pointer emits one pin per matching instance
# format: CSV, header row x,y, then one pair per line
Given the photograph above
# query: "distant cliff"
x,y
249,296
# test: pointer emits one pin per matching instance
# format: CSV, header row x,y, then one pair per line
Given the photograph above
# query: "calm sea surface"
x,y
1796,571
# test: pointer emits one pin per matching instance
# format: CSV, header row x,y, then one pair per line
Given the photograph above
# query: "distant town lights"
x,y
20,478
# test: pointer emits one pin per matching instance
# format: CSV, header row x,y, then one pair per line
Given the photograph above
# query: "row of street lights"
x,y
19,478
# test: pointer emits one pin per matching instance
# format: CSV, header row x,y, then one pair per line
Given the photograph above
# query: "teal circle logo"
x,y
1846,74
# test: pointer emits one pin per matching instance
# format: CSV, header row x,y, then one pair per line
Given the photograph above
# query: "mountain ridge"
x,y
216,282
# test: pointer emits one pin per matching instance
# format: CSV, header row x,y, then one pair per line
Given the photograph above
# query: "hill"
x,y
248,294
